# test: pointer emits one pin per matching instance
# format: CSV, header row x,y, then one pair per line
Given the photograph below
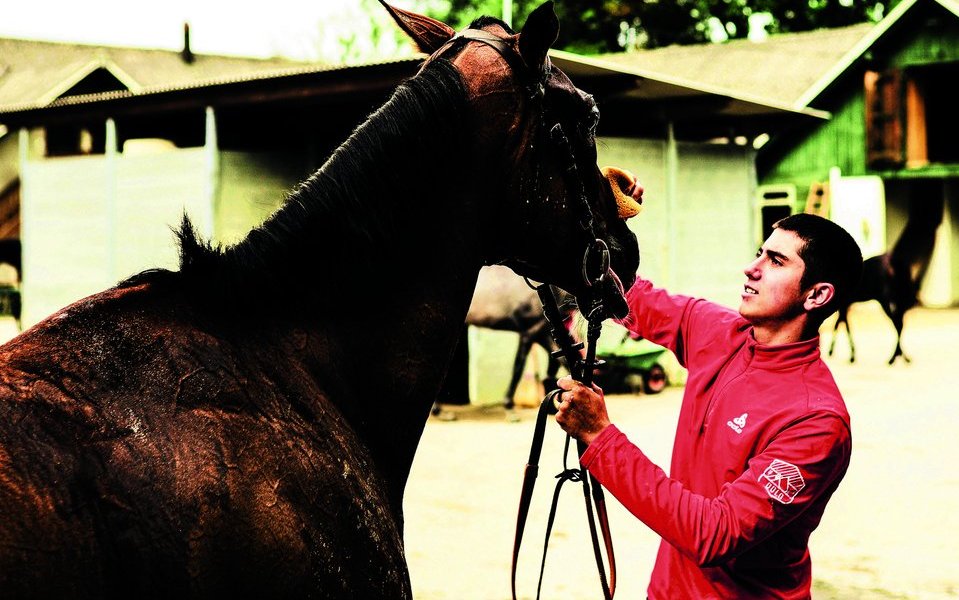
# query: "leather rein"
x,y
581,369
595,265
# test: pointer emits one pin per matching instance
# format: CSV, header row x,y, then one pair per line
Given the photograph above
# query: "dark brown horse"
x,y
893,278
156,442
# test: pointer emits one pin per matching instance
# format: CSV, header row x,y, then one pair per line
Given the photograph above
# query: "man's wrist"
x,y
589,437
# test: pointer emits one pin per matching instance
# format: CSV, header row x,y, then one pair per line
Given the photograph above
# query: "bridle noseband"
x,y
595,266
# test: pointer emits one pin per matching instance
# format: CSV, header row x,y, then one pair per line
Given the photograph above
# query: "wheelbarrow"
x,y
629,363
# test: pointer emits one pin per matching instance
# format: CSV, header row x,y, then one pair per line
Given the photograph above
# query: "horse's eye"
x,y
589,124
594,117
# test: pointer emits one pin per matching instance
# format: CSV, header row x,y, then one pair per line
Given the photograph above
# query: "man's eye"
x,y
776,261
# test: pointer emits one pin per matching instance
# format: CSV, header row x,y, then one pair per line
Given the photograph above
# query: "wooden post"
x,y
212,153
917,146
110,154
672,177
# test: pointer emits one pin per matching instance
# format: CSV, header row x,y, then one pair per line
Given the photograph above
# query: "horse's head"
x,y
556,214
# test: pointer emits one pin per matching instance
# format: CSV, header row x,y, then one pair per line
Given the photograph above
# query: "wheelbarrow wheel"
x,y
654,381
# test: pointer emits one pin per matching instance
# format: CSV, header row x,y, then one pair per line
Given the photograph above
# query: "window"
x,y
884,148
773,202
931,119
910,117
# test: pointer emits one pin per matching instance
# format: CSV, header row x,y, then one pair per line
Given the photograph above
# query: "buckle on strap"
x,y
595,262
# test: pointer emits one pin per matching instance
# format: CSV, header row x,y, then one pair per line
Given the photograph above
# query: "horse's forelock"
x,y
483,22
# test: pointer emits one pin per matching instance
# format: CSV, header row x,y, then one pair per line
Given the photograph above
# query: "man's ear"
x,y
819,295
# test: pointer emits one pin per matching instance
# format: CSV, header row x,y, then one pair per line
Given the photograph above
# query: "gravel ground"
x,y
890,531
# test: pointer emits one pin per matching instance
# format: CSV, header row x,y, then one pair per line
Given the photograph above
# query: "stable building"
x,y
884,159
104,149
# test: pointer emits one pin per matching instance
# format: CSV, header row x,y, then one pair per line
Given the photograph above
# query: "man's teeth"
x,y
750,290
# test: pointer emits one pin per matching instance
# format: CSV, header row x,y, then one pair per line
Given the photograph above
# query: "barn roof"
x,y
790,69
39,75
652,85
35,74
779,69
780,75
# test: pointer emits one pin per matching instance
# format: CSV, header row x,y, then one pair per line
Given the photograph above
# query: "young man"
x,y
763,438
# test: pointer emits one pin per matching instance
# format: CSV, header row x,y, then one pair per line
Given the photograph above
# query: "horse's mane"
x,y
342,224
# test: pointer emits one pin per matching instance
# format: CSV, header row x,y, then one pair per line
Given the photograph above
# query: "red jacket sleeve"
x,y
670,320
801,467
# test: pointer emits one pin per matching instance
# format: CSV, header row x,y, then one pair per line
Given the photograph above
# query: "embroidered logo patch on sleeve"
x,y
783,481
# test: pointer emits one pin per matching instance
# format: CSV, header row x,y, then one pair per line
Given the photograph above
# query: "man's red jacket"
x,y
763,441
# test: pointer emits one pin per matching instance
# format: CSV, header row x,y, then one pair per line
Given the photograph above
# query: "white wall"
x,y
697,238
63,216
940,288
90,221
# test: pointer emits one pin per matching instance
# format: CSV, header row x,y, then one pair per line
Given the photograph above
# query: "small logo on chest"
x,y
738,423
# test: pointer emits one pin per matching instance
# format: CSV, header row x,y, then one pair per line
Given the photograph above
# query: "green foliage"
x,y
363,31
594,26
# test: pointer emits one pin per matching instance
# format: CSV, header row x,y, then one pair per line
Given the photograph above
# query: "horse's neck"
x,y
393,235
390,329
912,251
392,362
381,343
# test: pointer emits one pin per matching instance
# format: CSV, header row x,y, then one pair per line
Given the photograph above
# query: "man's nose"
x,y
752,269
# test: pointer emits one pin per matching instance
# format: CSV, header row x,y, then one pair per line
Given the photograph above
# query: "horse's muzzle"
x,y
614,296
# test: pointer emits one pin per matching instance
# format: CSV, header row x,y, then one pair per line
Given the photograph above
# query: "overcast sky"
x,y
264,28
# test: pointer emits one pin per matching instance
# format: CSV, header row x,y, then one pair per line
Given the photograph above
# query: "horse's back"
x,y
141,455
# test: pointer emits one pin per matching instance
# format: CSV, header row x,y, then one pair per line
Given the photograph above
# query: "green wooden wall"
x,y
927,35
838,142
934,39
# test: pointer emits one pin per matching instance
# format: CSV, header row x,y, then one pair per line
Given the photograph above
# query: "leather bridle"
x,y
595,266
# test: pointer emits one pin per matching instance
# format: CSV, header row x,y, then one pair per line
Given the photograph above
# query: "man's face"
x,y
771,293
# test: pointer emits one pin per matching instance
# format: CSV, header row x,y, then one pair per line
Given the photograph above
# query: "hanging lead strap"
x,y
581,369
546,407
595,321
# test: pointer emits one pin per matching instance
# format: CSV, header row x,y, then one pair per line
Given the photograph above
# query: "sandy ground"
x,y
890,531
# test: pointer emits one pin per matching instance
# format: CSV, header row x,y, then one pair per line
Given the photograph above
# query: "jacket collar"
x,y
783,356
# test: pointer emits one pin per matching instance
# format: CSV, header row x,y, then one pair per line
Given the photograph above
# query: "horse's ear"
x,y
429,34
539,33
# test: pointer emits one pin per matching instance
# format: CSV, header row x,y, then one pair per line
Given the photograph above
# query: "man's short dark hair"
x,y
831,256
